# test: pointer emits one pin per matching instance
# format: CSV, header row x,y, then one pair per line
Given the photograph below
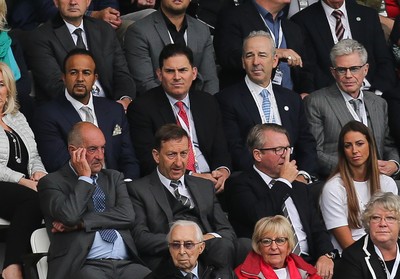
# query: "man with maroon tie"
x,y
196,112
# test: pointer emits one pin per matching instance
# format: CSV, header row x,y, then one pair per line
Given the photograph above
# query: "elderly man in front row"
x,y
270,188
186,243
330,108
167,195
88,214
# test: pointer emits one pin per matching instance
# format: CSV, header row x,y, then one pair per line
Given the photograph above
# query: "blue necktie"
x,y
99,202
266,104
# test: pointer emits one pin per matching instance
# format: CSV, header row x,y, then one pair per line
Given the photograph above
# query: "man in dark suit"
x,y
54,119
269,187
243,105
167,195
236,24
50,43
199,115
88,214
186,243
360,23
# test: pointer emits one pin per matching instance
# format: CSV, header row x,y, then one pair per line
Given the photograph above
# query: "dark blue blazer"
x,y
240,114
365,28
53,121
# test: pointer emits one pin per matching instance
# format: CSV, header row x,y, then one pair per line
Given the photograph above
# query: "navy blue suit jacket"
x,y
240,114
365,28
53,121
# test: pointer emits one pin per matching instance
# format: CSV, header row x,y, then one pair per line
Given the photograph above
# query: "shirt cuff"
x,y
86,179
398,167
223,167
215,235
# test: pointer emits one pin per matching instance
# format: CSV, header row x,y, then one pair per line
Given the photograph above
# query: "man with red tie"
x,y
196,112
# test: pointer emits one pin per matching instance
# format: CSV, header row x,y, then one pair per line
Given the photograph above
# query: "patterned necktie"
x,y
296,250
88,114
266,104
356,105
181,198
339,29
182,114
99,202
79,41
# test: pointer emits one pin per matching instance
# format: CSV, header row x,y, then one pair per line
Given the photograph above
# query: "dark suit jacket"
x,y
54,120
167,270
360,261
234,25
249,199
365,28
240,114
154,214
153,110
51,42
66,199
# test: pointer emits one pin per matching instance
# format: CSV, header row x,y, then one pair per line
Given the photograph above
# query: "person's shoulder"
x,y
388,184
305,14
112,173
233,90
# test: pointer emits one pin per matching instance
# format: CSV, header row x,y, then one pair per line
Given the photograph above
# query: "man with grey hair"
x,y
269,187
256,100
186,244
330,108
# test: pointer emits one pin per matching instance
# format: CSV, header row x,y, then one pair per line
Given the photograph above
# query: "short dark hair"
x,y
168,132
78,51
174,50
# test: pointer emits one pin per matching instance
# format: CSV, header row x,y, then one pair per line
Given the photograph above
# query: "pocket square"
x,y
117,130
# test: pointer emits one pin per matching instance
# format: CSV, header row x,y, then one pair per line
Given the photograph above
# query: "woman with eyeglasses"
x,y
355,179
375,255
273,240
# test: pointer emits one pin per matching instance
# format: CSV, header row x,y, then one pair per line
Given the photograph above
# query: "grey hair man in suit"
x,y
330,108
167,195
88,214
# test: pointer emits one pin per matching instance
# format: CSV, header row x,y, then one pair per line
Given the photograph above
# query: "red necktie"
x,y
182,114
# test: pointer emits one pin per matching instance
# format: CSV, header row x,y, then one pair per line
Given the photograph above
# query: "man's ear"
x,y
156,156
158,72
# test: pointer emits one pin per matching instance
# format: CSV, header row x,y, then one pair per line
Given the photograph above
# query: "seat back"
x,y
40,243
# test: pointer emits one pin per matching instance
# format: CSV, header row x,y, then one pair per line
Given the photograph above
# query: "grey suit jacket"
x,y
154,214
66,199
327,113
145,39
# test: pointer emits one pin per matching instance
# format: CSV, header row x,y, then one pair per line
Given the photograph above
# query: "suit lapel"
x,y
357,24
164,107
161,28
197,110
335,100
68,111
62,33
248,103
284,109
320,17
157,189
192,35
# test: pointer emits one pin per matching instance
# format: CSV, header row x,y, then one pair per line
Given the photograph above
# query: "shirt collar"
x,y
254,87
173,101
172,26
78,105
328,9
347,97
266,14
165,181
71,27
195,271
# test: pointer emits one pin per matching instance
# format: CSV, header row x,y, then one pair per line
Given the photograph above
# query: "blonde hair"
x,y
11,105
3,14
277,225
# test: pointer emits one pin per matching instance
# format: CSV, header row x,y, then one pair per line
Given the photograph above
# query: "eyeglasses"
x,y
353,69
187,245
388,219
266,242
278,150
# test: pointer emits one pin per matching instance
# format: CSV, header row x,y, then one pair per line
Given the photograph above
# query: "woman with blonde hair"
x,y
273,241
352,184
20,170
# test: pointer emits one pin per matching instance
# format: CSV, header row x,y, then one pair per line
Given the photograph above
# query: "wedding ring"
x,y
289,57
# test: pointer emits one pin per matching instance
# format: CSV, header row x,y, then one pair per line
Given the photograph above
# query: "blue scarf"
x,y
7,56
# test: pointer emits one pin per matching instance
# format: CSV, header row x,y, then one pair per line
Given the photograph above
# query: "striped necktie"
x,y
339,28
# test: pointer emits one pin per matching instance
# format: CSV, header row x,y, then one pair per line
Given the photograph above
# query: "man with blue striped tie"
x,y
88,214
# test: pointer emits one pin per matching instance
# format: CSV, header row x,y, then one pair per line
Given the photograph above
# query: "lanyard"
x,y
396,263
280,33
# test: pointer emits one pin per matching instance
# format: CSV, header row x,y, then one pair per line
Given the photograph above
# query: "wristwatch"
x,y
332,254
